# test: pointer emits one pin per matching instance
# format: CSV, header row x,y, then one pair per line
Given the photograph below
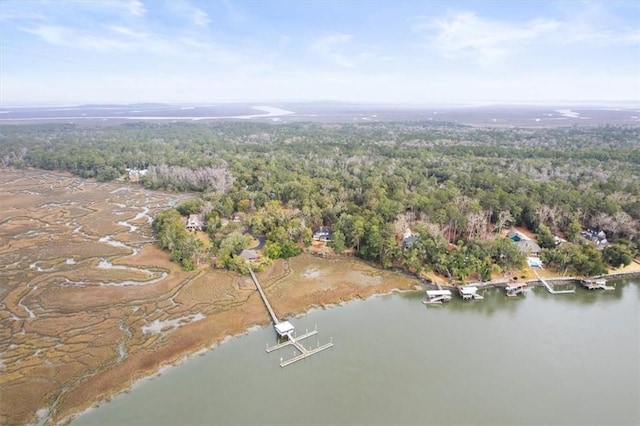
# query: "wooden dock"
x,y
469,292
550,288
596,284
437,297
285,329
515,289
274,318
295,342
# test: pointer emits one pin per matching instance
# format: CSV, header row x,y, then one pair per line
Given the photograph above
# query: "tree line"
x,y
455,186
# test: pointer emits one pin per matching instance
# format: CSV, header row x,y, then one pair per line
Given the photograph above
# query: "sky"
x,y
401,52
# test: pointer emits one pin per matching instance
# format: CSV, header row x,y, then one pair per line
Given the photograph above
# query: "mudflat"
x,y
89,304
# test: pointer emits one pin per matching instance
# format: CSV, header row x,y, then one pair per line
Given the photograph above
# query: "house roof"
x,y
514,286
517,236
431,293
249,254
527,246
284,327
411,239
195,220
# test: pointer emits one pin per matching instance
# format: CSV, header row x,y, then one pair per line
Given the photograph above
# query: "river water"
x,y
570,359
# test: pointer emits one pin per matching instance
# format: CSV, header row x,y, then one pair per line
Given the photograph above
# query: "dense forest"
x,y
454,186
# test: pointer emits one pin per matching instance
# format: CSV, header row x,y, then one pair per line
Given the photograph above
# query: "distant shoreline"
x,y
536,282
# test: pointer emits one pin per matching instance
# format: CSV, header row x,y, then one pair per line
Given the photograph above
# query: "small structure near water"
x,y
437,297
515,289
469,292
596,284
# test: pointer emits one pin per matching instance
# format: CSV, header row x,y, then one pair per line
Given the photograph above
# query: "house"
x,y
408,238
558,240
249,255
135,175
407,241
596,236
528,247
195,222
323,234
516,236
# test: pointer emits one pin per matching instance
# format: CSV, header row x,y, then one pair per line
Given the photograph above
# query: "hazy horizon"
x,y
259,102
404,52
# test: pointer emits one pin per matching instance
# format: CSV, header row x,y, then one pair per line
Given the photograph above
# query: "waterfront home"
x,y
528,247
195,222
407,241
516,236
595,236
408,238
249,255
323,234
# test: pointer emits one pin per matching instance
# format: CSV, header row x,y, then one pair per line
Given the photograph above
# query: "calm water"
x,y
540,359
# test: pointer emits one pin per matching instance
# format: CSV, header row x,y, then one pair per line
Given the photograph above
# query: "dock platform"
x,y
437,297
286,329
596,284
295,342
469,292
515,289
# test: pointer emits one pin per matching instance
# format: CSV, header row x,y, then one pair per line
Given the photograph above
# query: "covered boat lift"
x,y
515,289
437,296
469,292
596,284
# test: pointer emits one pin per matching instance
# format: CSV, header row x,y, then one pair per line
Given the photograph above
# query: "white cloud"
x,y
195,16
129,7
465,34
108,39
135,7
328,48
602,37
200,18
487,42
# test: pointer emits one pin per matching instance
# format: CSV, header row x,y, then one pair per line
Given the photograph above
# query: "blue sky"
x,y
423,52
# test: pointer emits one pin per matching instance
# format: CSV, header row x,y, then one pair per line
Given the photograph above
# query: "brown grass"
x,y
70,337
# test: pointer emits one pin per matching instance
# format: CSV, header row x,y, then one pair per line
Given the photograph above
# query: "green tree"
x,y
289,249
545,237
272,250
573,231
190,207
617,255
307,237
506,254
338,242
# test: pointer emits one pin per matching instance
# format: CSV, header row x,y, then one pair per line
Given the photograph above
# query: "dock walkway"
x,y
550,288
284,328
274,318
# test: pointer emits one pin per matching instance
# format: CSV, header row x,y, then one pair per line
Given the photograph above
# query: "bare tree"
x,y
548,215
604,222
505,218
476,224
626,225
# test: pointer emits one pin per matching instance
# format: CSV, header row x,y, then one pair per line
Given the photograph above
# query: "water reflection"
x,y
397,361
